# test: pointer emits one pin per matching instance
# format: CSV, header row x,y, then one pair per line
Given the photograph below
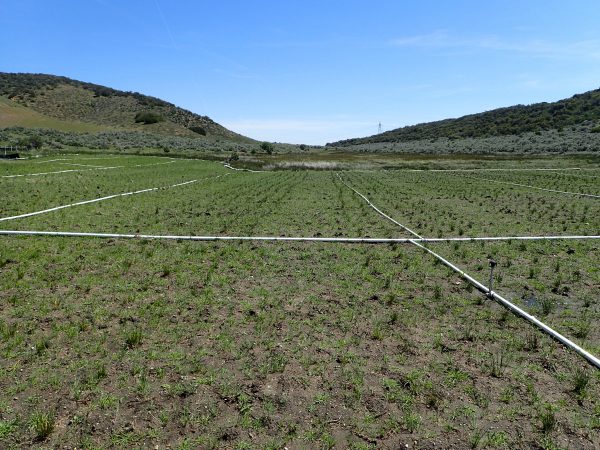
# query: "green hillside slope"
x,y
581,109
54,102
15,115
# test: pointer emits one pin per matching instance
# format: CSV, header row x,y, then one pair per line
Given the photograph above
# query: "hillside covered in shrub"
x,y
79,102
581,109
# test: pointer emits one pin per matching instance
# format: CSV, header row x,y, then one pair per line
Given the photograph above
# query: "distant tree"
x,y
101,91
199,130
267,147
31,142
148,118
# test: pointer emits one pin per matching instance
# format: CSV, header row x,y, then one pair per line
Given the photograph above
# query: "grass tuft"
x,y
133,338
42,424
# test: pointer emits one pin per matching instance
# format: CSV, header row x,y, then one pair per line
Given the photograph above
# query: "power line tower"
x,y
379,128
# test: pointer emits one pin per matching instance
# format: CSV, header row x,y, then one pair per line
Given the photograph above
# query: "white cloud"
x,y
589,48
438,38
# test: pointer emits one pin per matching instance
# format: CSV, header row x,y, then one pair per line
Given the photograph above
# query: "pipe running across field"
x,y
342,240
577,175
58,171
83,165
593,360
82,170
229,166
495,169
81,159
507,238
581,194
208,238
52,160
377,209
515,309
108,197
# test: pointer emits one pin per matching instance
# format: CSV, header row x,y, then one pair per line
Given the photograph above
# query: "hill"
x,y
60,103
582,110
13,114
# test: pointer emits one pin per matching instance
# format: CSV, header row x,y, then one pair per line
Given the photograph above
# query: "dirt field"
x,y
150,343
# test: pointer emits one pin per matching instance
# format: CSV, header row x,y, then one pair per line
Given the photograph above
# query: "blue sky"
x,y
314,71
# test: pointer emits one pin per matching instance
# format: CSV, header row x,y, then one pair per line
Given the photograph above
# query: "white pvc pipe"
x,y
81,159
83,170
229,166
579,175
535,187
507,238
377,209
81,165
347,240
154,164
52,160
57,171
209,238
507,169
515,309
108,197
